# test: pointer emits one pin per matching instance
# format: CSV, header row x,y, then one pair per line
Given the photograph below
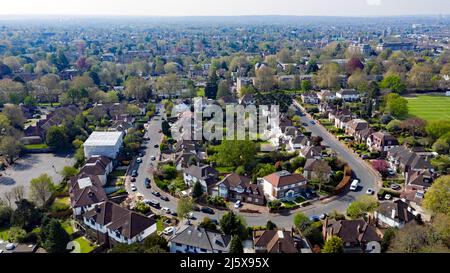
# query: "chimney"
x,y
393,214
359,229
279,246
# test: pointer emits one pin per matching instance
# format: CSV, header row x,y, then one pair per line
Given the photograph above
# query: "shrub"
x,y
274,205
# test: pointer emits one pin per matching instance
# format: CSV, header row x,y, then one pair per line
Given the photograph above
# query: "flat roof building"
x,y
104,144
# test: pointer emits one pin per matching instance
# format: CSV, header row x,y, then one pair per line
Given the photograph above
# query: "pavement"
x,y
367,176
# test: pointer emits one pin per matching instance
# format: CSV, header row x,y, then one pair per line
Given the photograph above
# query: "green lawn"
x,y
429,107
201,92
36,146
85,246
67,225
4,234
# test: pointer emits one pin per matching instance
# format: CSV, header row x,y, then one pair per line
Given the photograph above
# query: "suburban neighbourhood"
x,y
99,126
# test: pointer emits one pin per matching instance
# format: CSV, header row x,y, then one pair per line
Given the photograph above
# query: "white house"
x,y
348,95
283,185
394,214
98,165
85,192
103,143
205,175
192,239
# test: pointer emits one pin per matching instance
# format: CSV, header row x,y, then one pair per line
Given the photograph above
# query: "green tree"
x,y
396,105
306,85
57,138
197,190
362,205
232,224
10,147
301,221
16,234
212,85
155,244
26,215
41,189
236,245
438,128
223,89
207,223
5,216
437,197
333,245
270,225
69,171
394,83
236,152
184,207
54,237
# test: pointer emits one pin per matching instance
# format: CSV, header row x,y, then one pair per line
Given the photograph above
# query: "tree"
x,y
18,192
232,224
306,85
361,206
54,237
212,85
41,189
388,236
155,244
14,114
328,76
207,223
381,166
16,234
438,128
69,171
5,216
26,215
358,80
197,190
168,84
265,79
137,88
396,105
394,83
414,125
420,76
184,207
333,245
236,245
410,239
270,225
57,138
223,89
10,147
437,198
236,152
301,221
353,65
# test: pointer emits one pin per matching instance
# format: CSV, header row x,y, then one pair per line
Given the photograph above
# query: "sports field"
x,y
429,107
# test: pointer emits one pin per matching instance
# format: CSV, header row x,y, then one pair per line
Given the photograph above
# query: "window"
x,y
202,250
177,244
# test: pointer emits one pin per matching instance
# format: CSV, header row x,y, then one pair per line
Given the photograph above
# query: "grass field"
x,y
429,107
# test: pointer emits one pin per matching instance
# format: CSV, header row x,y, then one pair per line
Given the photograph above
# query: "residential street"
x,y
366,175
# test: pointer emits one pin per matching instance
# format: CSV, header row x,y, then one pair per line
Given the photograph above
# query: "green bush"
x,y
274,205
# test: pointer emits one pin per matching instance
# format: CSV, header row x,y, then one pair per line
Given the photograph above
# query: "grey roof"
x,y
103,139
191,235
400,208
408,158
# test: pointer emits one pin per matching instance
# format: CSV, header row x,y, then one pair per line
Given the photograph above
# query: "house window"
x,y
202,250
177,244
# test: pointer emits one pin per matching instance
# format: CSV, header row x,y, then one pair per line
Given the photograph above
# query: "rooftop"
x,y
103,139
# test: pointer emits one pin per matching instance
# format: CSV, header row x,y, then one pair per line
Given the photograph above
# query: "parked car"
x,y
166,210
323,216
238,204
207,210
134,173
312,122
391,172
155,193
139,160
370,191
168,230
156,146
354,185
165,198
305,124
196,208
388,197
396,187
133,179
174,214
133,188
147,183
215,222
314,218
153,158
190,215
152,203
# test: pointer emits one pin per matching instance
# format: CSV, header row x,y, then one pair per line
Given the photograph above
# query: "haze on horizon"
x,y
227,8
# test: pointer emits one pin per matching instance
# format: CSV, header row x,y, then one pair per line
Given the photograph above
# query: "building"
x,y
326,95
348,95
109,224
237,187
394,214
103,143
283,185
317,169
403,159
363,49
310,98
192,239
278,241
381,142
243,82
355,126
204,174
407,46
85,192
98,165
419,180
357,235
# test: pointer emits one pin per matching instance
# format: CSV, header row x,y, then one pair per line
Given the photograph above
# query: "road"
x,y
361,171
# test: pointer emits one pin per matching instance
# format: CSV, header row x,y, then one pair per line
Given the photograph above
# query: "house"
x,y
348,95
85,192
357,235
310,98
381,142
192,239
404,46
247,99
401,158
394,214
204,174
297,142
103,143
362,135
237,187
98,165
109,224
326,95
228,100
419,180
283,185
317,169
243,82
311,152
278,241
355,126
340,117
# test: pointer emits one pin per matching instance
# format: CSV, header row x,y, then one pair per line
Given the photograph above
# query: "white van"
x,y
354,185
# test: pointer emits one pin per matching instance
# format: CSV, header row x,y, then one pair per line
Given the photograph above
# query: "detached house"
x,y
401,158
98,165
381,142
348,95
310,98
237,187
110,224
340,118
314,167
85,192
327,95
278,241
192,239
283,185
355,126
205,175
394,214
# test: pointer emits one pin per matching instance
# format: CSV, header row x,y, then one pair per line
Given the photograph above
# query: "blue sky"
x,y
226,7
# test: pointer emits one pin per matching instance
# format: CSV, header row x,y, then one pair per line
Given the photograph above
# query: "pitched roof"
x,y
408,158
423,178
398,209
275,241
353,231
201,172
85,190
201,238
358,124
312,164
96,165
284,178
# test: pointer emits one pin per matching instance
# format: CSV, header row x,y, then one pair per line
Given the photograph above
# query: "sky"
x,y
225,7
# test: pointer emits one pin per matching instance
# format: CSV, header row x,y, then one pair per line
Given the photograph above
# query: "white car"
x,y
139,160
370,191
238,204
190,215
354,185
388,196
166,210
168,230
133,188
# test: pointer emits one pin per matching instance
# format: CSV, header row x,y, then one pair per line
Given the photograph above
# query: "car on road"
x,y
166,210
147,183
396,187
155,193
370,191
388,197
314,218
153,158
207,210
156,146
168,230
190,215
165,198
305,124
215,222
139,160
174,214
312,122
238,204
354,185
133,179
134,173
323,216
133,188
152,203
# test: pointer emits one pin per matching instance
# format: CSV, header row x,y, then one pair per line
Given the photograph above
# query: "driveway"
x,y
31,166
